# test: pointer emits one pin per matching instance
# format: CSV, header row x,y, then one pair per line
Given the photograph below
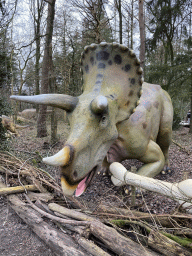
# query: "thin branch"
x,y
58,219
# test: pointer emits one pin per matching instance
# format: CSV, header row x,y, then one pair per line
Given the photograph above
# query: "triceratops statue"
x,y
117,117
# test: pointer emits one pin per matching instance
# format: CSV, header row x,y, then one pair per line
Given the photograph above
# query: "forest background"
x,y
41,42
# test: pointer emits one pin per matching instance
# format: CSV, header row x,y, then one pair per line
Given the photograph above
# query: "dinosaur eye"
x,y
103,119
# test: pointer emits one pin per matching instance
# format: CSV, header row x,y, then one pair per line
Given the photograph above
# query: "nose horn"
x,y
99,104
62,158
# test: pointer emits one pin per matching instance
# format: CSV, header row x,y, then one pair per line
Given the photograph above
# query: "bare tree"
x,y
129,18
47,68
118,6
142,34
94,18
36,8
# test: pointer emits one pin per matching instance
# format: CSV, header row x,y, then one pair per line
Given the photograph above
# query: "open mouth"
x,y
85,182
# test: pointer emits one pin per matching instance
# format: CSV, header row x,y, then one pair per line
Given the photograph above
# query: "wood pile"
x,y
104,231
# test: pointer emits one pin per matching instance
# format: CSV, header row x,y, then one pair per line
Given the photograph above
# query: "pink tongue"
x,y
81,187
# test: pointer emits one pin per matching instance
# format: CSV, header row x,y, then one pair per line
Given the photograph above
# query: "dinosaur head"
x,y
112,80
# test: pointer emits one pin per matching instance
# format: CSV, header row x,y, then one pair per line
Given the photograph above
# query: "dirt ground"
x,y
16,238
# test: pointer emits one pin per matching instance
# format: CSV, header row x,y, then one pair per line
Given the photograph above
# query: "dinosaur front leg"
x,y
153,160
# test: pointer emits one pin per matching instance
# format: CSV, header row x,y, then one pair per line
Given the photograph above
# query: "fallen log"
x,y
60,243
70,213
164,220
58,219
17,189
118,243
45,197
113,240
90,247
165,245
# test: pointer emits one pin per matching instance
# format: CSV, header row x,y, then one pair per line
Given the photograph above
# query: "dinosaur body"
x,y
108,122
147,134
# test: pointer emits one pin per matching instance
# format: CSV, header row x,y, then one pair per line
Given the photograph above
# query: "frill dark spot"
x,y
133,80
144,125
130,93
99,76
110,62
102,55
87,68
156,104
127,67
101,65
127,103
92,60
117,59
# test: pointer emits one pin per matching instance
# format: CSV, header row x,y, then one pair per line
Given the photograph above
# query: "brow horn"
x,y
99,104
62,158
62,101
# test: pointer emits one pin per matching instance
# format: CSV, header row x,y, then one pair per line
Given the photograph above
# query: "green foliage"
x,y
165,18
169,52
4,110
176,119
30,77
4,64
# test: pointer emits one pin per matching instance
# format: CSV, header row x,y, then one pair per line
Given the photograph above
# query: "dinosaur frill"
x,y
112,70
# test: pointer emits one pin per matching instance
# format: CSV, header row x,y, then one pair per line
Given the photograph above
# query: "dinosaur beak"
x,y
68,190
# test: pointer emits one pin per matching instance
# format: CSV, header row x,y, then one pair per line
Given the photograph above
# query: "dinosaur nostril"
x,y
75,174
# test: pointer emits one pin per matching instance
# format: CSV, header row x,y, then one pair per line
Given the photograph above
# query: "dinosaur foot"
x,y
166,170
134,191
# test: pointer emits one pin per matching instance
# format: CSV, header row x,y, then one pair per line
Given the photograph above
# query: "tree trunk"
x,y
120,24
131,25
118,7
53,126
142,34
37,58
190,128
41,120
